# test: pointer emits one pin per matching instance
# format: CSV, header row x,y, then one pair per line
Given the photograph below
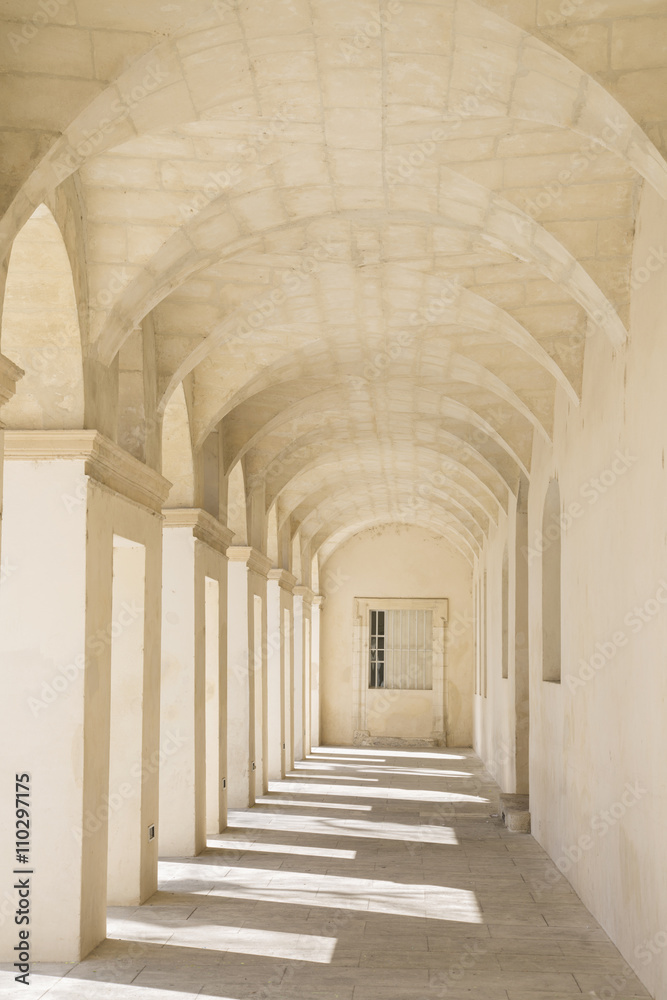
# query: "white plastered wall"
x,y
393,561
598,739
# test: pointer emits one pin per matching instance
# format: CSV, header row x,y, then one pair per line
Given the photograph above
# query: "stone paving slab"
x,y
353,905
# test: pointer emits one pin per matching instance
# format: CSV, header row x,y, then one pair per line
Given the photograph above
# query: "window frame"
x,y
361,659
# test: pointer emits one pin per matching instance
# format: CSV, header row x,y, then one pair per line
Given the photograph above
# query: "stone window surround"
x,y
439,606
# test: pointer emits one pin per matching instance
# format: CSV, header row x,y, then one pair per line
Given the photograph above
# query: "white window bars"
x,y
401,649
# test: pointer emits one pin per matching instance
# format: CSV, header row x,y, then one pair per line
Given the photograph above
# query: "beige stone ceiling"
x,y
371,239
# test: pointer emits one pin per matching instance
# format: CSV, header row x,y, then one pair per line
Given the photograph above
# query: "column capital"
x,y
204,526
305,593
253,558
318,601
105,462
10,374
283,578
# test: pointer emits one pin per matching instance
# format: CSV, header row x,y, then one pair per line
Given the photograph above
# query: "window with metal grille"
x,y
401,650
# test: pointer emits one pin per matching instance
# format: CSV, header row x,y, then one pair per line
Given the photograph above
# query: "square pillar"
x,y
303,599
73,669
247,675
279,673
194,558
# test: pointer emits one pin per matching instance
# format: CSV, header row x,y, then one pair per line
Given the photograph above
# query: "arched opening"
x,y
551,575
40,330
177,463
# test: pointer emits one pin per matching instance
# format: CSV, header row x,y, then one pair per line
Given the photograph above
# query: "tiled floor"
x,y
366,875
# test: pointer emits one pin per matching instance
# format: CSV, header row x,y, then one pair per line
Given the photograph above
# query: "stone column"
x,y
195,544
279,670
82,541
303,599
247,676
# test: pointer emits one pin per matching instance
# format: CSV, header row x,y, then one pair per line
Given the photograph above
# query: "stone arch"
x,y
40,330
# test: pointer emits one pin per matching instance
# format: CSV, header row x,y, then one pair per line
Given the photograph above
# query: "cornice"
x,y
283,578
106,462
255,561
203,525
305,593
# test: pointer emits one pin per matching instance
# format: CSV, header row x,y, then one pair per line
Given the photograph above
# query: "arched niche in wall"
x,y
551,584
40,330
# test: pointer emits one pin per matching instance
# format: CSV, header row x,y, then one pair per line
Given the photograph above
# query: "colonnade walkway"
x,y
364,875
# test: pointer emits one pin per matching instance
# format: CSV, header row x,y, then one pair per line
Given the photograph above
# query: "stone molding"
x,y
10,374
306,594
204,526
255,561
283,578
105,462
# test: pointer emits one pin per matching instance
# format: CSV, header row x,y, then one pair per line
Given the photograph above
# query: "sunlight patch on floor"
x,y
408,833
262,847
372,895
289,800
405,754
323,790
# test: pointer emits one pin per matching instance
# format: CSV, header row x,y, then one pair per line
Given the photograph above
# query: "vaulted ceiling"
x,y
372,239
